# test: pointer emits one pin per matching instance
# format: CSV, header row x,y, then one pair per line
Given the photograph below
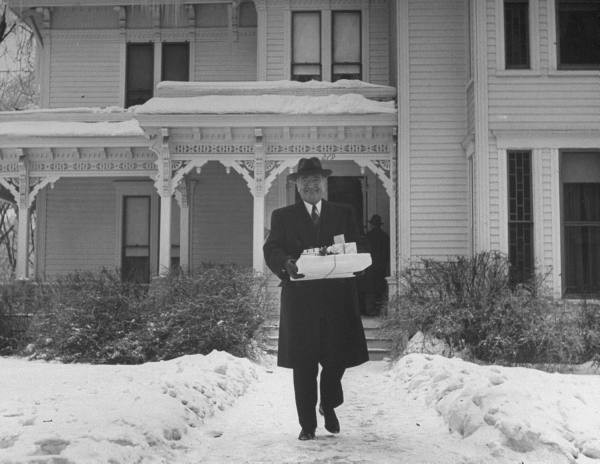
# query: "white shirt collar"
x,y
309,207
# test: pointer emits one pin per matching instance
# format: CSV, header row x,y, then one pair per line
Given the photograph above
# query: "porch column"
x,y
164,254
23,216
181,195
163,185
392,194
258,192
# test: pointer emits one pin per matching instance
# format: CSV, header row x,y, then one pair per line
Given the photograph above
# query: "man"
x,y
374,283
319,319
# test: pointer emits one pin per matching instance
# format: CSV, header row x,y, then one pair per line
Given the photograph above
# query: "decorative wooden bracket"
x,y
122,12
159,144
383,169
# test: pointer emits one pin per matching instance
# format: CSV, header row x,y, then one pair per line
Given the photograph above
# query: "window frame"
x,y
534,35
360,45
555,28
320,63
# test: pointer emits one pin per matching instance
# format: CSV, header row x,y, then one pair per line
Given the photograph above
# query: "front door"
x,y
135,253
350,190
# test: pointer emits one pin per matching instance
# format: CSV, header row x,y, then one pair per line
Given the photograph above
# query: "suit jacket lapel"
x,y
305,226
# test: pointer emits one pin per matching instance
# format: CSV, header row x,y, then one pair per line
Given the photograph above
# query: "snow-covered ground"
x,y
220,409
85,413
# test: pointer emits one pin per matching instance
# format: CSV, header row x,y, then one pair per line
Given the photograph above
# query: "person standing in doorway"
x,y
374,284
319,319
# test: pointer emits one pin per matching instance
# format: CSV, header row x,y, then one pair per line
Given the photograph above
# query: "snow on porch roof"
x,y
129,128
266,104
310,88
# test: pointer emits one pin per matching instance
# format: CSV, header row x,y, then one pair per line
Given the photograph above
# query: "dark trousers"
x,y
305,390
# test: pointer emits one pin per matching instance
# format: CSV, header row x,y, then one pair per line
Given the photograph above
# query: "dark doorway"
x,y
349,190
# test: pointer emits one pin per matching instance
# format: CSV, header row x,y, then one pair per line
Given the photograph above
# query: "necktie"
x,y
314,215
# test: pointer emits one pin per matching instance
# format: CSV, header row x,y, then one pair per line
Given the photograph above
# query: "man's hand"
x,y
292,269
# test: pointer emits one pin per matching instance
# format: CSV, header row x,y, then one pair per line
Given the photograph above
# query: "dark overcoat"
x,y
319,319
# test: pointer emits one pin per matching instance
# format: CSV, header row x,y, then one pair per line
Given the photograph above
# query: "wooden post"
x,y
184,226
258,222
164,187
23,217
164,254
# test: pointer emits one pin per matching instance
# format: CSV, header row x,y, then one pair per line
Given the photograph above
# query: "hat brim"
x,y
311,172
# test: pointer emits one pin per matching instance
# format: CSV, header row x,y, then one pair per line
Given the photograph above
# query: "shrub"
x,y
216,307
470,303
98,318
19,301
87,313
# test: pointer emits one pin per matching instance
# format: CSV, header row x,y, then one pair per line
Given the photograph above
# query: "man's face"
x,y
311,188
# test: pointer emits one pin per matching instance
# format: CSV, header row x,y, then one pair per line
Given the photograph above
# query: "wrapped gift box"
x,y
332,266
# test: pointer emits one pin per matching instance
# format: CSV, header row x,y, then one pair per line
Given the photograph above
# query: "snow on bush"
x,y
113,414
524,410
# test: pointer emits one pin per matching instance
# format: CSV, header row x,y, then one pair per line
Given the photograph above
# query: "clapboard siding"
x,y
220,58
221,218
80,226
548,210
84,18
494,197
544,39
541,100
83,73
438,188
379,44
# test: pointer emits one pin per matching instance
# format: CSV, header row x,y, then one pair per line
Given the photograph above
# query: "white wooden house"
x,y
495,142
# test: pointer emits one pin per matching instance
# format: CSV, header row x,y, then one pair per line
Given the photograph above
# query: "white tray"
x,y
332,266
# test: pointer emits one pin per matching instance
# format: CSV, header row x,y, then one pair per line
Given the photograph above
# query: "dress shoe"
x,y
332,424
306,435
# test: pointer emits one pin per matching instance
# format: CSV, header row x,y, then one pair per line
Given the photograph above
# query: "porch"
x,y
182,161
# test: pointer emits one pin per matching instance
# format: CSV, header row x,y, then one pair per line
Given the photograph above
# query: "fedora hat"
x,y
376,220
309,167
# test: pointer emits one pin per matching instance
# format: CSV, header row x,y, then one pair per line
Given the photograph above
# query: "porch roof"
x,y
266,104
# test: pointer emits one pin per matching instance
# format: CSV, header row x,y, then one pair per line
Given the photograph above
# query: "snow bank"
x,y
80,413
552,417
281,104
130,128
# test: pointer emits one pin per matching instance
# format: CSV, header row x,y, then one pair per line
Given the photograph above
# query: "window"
x,y
520,217
578,29
580,174
248,16
175,61
516,34
135,253
139,79
306,46
346,29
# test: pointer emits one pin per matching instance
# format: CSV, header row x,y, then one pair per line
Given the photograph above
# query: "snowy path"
x,y
379,425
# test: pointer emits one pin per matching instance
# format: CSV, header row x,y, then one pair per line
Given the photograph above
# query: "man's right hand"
x,y
292,269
